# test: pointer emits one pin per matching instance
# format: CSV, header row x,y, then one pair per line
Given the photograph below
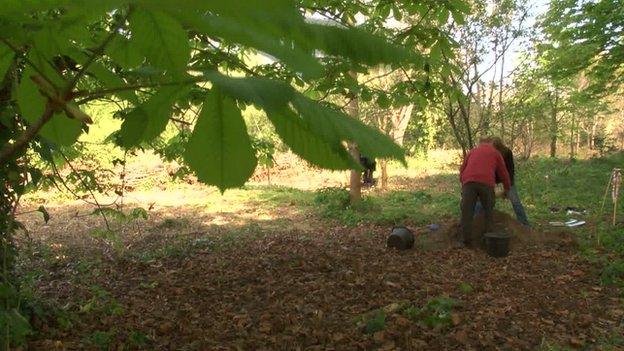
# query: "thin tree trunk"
x,y
553,128
451,117
572,141
592,136
578,140
466,118
383,165
355,179
500,89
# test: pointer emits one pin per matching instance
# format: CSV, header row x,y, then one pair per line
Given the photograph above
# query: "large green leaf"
x,y
219,150
60,130
73,10
316,136
308,144
263,92
6,58
123,53
29,99
161,38
356,44
335,126
148,120
260,38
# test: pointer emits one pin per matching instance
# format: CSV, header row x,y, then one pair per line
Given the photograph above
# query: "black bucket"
x,y
497,244
401,238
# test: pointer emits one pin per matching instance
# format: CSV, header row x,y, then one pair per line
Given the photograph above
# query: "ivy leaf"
x,y
6,58
219,150
161,39
148,120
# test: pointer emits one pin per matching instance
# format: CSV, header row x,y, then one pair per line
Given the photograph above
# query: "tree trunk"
x,y
355,179
400,123
383,166
466,118
592,136
500,89
572,141
450,114
553,128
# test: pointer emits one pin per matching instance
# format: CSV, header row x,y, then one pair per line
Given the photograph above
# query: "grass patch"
x,y
391,208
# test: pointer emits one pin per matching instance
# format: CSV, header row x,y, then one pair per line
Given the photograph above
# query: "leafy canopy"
x,y
159,59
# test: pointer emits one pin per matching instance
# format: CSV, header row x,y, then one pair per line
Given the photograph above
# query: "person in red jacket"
x,y
478,175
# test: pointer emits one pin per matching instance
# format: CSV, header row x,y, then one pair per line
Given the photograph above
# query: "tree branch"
x,y
9,149
98,51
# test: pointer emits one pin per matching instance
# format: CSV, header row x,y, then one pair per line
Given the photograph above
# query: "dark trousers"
x,y
471,192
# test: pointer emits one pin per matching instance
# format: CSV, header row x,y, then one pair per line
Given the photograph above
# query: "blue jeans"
x,y
512,195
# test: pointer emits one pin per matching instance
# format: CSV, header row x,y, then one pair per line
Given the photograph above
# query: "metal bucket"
x,y
401,238
497,244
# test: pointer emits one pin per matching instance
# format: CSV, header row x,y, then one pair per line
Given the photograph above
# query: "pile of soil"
x,y
521,235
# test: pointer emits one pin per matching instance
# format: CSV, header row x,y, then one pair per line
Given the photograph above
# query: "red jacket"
x,y
482,164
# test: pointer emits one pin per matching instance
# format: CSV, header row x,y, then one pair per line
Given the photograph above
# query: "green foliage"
x,y
219,137
466,288
435,314
99,339
6,59
585,36
391,208
101,301
110,237
148,120
160,38
375,323
138,339
264,149
134,214
145,47
13,324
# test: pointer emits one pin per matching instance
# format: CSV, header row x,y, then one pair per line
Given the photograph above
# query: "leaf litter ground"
x,y
300,284
250,277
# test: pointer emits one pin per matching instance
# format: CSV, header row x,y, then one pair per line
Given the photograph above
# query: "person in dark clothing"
x,y
478,178
369,167
512,194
